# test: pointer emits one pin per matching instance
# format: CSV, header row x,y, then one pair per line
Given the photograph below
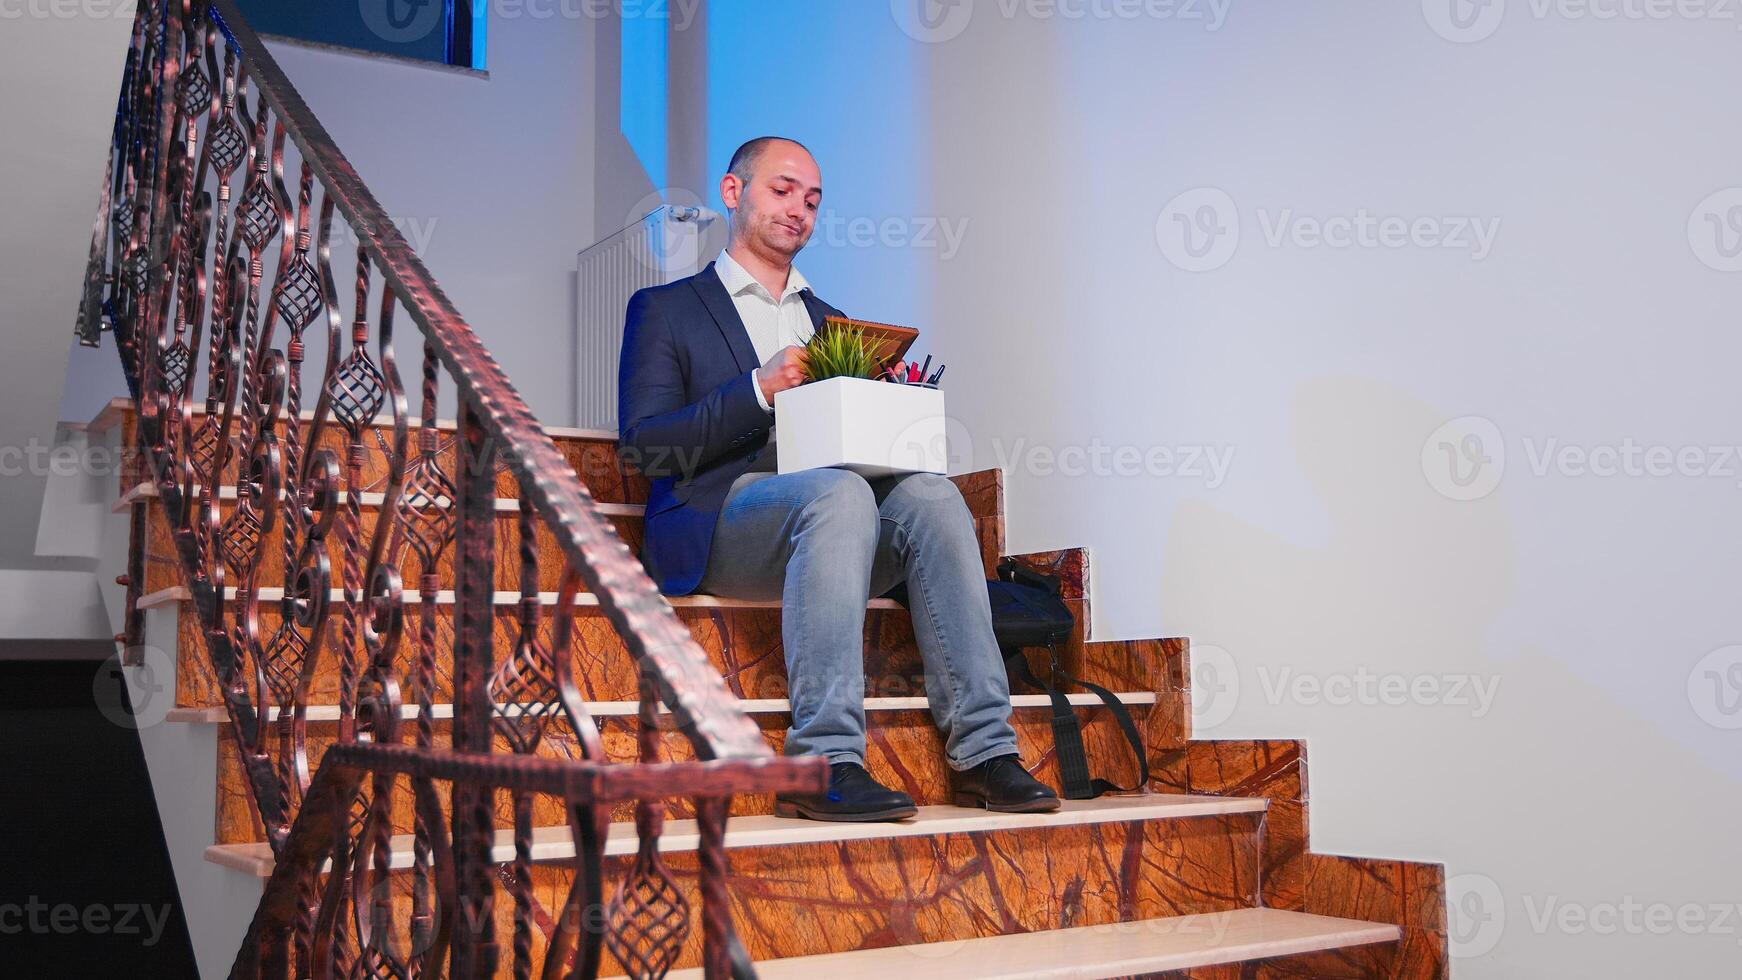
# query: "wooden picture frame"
x,y
896,340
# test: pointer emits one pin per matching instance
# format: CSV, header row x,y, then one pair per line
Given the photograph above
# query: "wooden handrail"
x,y
162,280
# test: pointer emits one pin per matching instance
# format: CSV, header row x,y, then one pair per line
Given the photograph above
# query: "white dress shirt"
x,y
772,324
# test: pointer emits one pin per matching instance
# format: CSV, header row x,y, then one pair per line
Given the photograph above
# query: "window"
x,y
447,32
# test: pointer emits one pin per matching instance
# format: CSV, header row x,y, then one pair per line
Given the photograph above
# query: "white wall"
x,y
59,78
1583,603
1600,778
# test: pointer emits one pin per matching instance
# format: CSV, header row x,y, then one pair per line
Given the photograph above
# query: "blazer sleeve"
x,y
658,432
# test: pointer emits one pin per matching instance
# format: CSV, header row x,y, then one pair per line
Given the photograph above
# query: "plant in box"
x,y
841,350
841,417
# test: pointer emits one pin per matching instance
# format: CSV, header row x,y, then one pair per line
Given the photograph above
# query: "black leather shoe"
x,y
1002,784
852,795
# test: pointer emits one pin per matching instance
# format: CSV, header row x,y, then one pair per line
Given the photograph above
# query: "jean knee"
x,y
841,499
929,496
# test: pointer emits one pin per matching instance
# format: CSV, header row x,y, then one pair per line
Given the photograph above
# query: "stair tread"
x,y
117,408
605,709
762,830
1145,946
181,593
227,492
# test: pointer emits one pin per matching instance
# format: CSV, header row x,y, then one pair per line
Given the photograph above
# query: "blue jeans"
x,y
825,541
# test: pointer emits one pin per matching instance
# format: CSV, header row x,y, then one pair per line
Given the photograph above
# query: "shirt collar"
x,y
737,279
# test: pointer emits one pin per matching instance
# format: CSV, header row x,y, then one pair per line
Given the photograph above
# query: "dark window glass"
x,y
448,32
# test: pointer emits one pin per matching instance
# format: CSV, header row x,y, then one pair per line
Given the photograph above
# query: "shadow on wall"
x,y
1407,708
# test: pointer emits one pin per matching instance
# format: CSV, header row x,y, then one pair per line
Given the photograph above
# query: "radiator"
x,y
664,246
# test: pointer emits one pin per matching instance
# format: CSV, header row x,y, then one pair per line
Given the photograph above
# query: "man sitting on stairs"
x,y
702,360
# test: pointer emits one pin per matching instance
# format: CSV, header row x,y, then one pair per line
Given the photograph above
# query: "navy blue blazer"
x,y
687,417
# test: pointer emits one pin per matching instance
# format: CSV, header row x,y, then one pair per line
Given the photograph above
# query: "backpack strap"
x,y
1068,732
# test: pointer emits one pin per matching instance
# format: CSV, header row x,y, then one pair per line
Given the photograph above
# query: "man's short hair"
x,y
743,164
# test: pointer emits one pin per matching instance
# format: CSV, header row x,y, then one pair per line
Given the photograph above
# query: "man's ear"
x,y
730,189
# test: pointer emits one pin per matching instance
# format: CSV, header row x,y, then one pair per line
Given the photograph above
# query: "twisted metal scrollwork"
x,y
214,279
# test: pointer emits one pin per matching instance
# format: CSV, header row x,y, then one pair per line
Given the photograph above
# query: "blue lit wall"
x,y
644,92
842,79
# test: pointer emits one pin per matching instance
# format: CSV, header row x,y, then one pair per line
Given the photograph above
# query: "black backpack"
x,y
1028,611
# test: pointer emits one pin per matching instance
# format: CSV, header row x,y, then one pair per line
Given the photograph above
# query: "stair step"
x,y
612,709
981,490
227,493
120,410
764,830
742,638
181,593
904,749
1184,942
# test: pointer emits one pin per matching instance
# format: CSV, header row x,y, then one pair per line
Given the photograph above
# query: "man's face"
x,y
776,211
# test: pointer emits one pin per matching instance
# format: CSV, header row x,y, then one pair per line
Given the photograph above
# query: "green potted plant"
x,y
842,350
843,416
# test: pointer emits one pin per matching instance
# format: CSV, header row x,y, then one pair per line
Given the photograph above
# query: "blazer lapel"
x,y
818,309
708,286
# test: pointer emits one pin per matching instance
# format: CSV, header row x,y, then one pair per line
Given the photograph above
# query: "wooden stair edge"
x,y
1122,949
765,830
140,492
145,490
321,713
177,594
117,408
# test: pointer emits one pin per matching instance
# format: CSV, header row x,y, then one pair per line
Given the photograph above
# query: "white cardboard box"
x,y
874,428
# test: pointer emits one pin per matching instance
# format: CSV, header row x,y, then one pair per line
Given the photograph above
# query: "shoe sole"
x,y
1045,804
786,809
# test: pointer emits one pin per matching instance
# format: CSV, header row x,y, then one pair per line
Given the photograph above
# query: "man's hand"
x,y
784,370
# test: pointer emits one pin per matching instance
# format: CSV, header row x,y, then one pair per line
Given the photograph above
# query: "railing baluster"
x,y
474,944
178,272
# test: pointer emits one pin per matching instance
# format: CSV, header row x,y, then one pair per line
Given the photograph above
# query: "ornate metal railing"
x,y
206,269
